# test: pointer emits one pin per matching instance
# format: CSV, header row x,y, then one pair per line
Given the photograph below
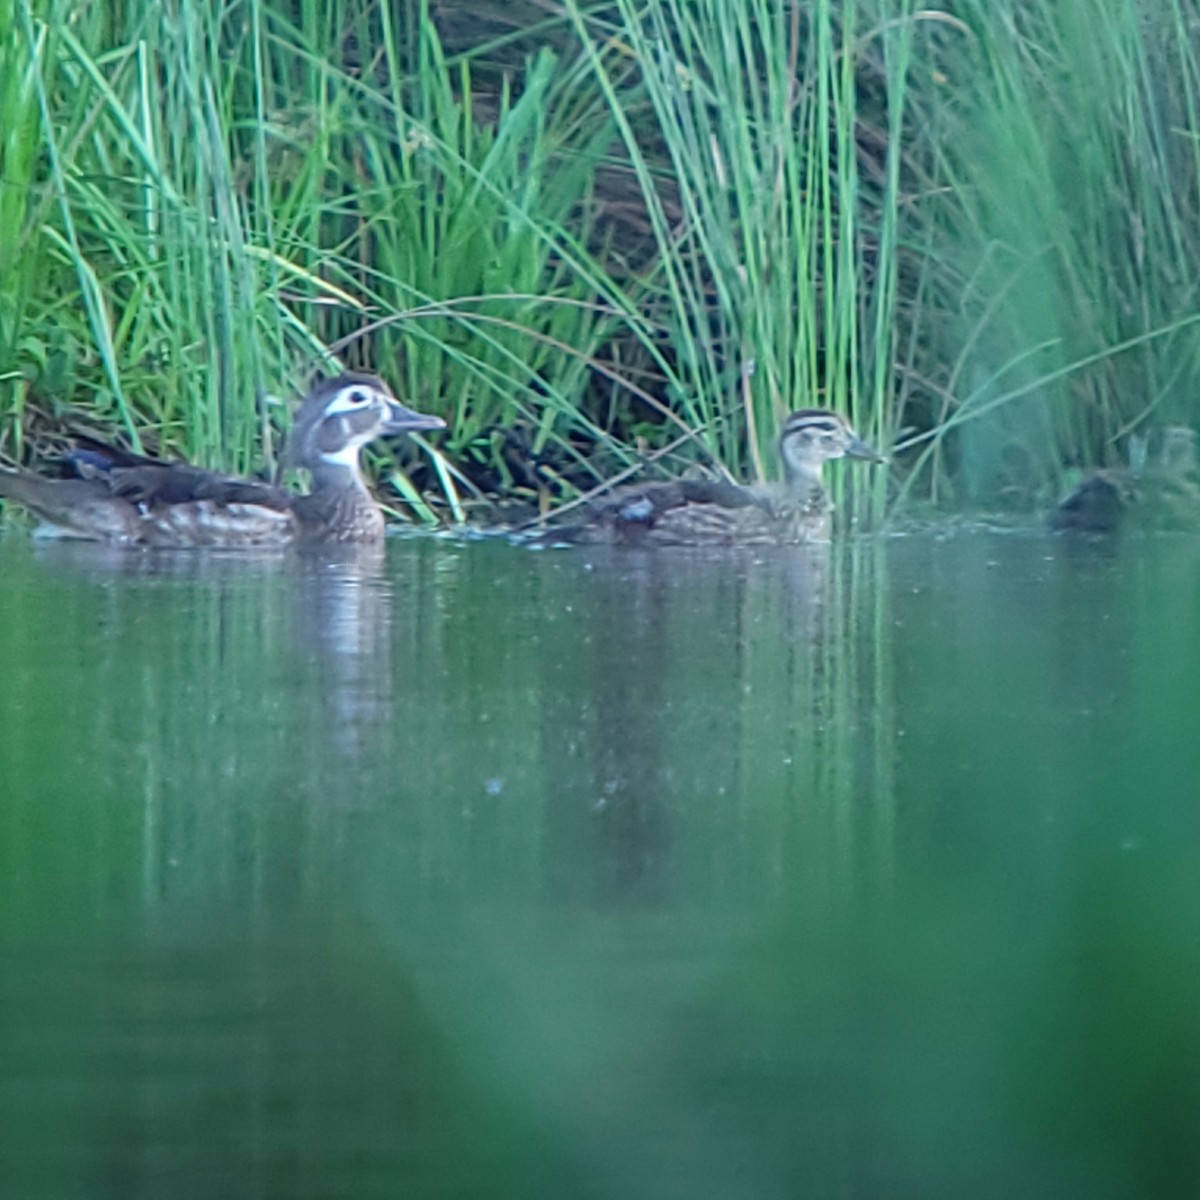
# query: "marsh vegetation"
x,y
595,234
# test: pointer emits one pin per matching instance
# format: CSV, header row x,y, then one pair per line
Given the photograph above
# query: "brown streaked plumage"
x,y
129,499
699,512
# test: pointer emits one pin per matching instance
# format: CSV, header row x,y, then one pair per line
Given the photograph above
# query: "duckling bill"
x,y
689,512
129,499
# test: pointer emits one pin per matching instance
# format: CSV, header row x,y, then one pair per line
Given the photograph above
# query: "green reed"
x,y
1059,272
972,229
228,201
610,229
762,279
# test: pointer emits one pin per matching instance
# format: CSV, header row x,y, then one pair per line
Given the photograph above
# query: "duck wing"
x,y
157,484
659,512
153,482
120,496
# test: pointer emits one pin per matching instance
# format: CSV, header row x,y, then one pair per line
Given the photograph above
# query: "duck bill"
x,y
857,448
407,420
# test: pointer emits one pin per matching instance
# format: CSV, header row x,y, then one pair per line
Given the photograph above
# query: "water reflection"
x,y
609,824
479,871
690,669
342,617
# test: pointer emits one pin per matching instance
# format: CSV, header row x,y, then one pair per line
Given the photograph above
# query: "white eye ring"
x,y
350,398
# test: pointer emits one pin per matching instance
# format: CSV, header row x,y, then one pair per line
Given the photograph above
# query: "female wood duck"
x,y
128,499
697,512
1163,494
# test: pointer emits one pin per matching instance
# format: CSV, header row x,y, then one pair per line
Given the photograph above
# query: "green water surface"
x,y
475,871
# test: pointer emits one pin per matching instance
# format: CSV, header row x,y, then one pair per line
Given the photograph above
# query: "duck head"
x,y
339,416
813,436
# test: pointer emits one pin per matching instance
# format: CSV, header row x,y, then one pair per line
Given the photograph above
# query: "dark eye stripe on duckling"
x,y
813,419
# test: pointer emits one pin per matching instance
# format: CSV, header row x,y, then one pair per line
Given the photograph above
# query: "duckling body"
x,y
698,512
129,499
1162,495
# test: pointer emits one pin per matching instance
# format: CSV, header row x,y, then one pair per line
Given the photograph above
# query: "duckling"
x,y
687,512
1163,494
129,499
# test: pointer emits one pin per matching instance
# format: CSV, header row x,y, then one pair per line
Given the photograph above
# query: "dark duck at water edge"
x,y
1162,494
129,499
699,512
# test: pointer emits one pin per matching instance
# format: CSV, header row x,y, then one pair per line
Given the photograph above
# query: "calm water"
x,y
474,871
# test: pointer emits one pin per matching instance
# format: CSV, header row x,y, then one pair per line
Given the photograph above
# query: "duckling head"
x,y
813,436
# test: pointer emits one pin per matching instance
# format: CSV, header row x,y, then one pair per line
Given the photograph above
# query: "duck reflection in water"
x,y
654,709
320,619
344,606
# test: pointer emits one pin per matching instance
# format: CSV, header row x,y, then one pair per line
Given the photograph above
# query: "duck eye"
x,y
357,397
